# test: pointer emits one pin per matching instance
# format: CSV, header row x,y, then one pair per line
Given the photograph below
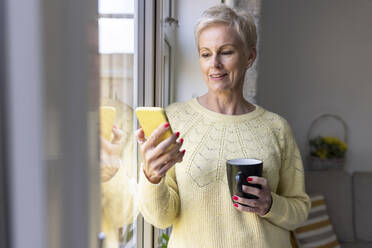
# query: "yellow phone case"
x,y
107,117
150,118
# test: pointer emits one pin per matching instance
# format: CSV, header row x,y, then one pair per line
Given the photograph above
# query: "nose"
x,y
216,61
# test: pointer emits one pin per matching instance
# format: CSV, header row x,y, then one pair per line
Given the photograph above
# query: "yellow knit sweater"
x,y
194,196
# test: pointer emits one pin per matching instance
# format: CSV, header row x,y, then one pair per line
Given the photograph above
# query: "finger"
x,y
160,172
118,135
166,167
257,180
163,161
251,190
254,203
156,156
244,208
168,155
153,140
181,155
106,145
140,136
109,167
171,163
163,146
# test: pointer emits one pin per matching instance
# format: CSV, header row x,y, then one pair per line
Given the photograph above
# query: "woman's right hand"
x,y
110,155
157,158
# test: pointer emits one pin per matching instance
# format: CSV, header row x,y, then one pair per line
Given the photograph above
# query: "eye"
x,y
228,52
204,55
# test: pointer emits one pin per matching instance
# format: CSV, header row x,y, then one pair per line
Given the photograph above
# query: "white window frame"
x,y
144,60
150,78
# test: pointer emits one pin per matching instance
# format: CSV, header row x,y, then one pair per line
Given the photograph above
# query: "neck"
x,y
229,103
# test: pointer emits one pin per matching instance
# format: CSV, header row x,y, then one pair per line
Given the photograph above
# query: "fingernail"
x,y
181,141
178,134
140,127
115,126
235,198
236,205
183,151
166,125
249,179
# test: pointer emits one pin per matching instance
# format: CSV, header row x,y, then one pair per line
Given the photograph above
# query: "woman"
x,y
188,188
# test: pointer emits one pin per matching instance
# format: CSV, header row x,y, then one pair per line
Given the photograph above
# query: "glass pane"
x,y
116,35
116,6
118,160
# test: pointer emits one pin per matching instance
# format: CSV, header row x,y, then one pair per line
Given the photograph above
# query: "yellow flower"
x,y
343,146
328,147
335,141
322,153
331,140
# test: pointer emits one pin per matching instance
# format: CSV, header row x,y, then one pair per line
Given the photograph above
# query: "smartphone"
x,y
150,118
107,118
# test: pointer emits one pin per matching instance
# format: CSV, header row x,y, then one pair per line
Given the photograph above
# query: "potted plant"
x,y
326,153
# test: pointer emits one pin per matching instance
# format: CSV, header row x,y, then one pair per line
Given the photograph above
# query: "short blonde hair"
x,y
241,21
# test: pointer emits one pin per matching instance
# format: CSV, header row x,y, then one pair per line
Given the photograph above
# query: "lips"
x,y
218,76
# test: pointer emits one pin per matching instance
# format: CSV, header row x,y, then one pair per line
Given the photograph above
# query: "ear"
x,y
251,57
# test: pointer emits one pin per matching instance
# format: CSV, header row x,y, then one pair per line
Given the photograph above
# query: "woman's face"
x,y
222,58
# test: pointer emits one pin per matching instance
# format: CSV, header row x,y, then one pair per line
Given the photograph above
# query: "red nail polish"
x,y
166,125
249,179
236,205
235,198
181,141
178,134
183,151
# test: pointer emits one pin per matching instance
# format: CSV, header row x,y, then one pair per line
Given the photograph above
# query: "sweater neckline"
x,y
224,117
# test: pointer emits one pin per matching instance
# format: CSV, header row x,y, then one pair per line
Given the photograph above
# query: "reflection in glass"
x,y
118,171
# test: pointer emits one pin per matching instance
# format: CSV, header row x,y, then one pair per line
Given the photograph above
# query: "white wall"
x,y
316,58
188,78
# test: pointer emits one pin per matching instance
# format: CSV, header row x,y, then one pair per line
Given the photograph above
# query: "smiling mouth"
x,y
218,76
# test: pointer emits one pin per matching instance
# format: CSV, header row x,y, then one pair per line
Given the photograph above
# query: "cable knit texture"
x,y
194,196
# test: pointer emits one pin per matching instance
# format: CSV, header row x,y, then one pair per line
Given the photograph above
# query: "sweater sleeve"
x,y
290,204
159,203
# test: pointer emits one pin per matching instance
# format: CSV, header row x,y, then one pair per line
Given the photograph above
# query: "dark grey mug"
x,y
238,170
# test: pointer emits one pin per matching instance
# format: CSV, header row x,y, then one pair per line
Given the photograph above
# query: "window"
x,y
166,26
117,70
127,48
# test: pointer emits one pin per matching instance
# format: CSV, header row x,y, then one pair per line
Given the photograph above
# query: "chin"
x,y
220,90
219,86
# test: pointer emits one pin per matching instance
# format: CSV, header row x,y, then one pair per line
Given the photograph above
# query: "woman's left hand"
x,y
260,206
